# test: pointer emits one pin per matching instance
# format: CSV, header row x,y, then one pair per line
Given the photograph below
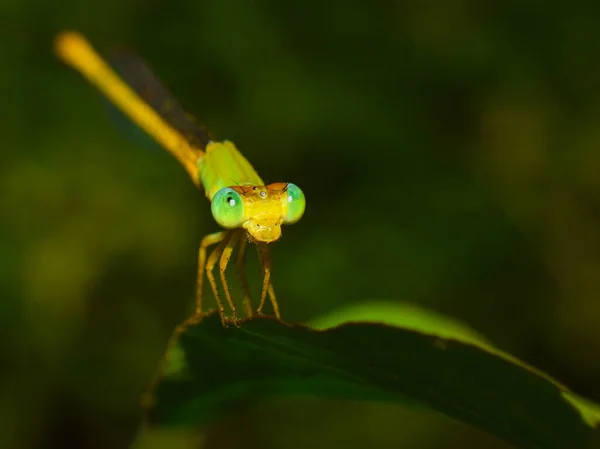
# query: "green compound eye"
x,y
296,203
227,208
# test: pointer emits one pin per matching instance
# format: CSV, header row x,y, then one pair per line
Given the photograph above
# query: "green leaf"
x,y
445,365
402,314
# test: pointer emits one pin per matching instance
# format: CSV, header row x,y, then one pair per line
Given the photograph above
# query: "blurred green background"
x,y
449,152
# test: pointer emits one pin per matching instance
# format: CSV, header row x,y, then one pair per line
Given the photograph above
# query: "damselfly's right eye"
x,y
227,208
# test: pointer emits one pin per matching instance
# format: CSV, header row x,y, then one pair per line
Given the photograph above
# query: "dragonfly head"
x,y
260,210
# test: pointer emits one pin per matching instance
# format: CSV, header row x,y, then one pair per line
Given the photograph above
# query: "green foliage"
x,y
427,359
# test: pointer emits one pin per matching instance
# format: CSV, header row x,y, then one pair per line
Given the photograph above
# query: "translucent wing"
x,y
136,73
140,96
127,128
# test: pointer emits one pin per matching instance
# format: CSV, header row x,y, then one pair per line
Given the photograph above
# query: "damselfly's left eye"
x,y
227,208
296,203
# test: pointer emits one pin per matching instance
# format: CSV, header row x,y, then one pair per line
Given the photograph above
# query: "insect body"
x,y
241,203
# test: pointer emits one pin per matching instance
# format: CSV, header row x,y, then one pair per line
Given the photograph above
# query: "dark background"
x,y
450,156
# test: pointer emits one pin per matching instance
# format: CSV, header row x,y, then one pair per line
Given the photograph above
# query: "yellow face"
x,y
260,210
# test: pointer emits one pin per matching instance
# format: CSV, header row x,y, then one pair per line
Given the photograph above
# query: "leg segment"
x,y
210,264
223,261
274,301
265,263
241,271
209,240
